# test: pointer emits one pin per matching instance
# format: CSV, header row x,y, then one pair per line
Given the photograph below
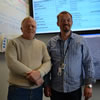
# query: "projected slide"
x,y
86,14
93,41
11,14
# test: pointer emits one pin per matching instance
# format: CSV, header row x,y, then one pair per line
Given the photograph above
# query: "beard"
x,y
66,31
66,28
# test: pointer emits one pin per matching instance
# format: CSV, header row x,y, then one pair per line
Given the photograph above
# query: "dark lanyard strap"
x,y
62,52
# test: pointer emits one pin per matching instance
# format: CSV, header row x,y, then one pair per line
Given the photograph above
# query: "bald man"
x,y
28,62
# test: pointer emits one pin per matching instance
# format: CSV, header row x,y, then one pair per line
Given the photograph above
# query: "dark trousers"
x,y
18,93
75,95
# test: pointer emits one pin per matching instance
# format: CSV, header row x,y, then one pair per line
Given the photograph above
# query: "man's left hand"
x,y
87,92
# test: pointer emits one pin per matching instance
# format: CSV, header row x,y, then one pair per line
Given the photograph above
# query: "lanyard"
x,y
62,52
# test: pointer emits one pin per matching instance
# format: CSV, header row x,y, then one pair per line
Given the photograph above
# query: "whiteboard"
x,y
12,12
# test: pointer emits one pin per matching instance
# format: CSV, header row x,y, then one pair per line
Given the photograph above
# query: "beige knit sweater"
x,y
23,56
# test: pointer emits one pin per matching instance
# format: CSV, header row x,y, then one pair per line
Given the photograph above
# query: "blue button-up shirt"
x,y
78,65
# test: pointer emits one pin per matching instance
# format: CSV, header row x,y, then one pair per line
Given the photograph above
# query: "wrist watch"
x,y
89,85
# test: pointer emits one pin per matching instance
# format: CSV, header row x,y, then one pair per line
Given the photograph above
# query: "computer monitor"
x,y
86,14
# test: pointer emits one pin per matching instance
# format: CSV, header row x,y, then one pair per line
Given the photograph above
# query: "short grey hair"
x,y
26,18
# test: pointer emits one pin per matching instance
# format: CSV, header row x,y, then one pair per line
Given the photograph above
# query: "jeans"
x,y
18,93
75,95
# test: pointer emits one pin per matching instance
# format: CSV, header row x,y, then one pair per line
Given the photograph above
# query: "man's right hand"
x,y
47,91
35,77
39,82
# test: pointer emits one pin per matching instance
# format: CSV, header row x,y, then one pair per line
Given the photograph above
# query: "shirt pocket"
x,y
55,53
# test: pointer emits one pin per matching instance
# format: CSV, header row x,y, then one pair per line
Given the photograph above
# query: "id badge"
x,y
59,71
62,66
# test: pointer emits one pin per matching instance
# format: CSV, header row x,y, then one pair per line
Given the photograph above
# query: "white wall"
x,y
3,77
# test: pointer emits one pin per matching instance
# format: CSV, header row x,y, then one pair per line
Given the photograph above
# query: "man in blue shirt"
x,y
72,64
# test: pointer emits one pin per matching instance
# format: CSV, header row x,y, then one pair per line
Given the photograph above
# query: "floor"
x,y
96,92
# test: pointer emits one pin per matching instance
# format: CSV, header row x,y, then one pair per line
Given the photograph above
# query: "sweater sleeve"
x,y
13,63
46,62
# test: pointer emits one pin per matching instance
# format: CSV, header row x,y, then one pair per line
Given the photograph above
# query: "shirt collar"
x,y
71,36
